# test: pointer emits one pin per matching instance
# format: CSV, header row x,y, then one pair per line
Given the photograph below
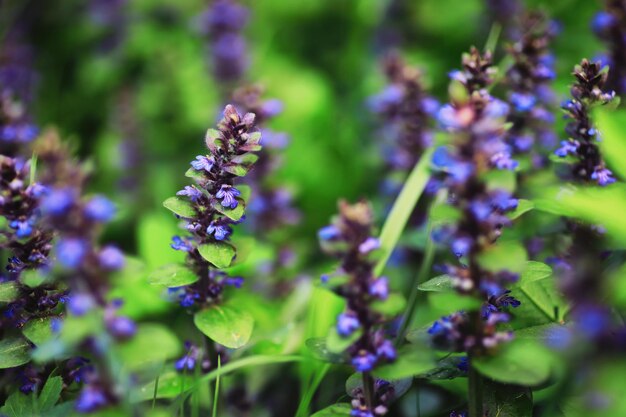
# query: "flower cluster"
x,y
222,23
81,263
16,90
213,204
528,80
384,393
610,26
349,238
407,111
271,206
477,122
587,92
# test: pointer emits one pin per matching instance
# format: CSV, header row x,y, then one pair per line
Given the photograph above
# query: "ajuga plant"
x,y
581,146
476,121
407,111
610,26
222,23
85,268
529,93
349,238
209,208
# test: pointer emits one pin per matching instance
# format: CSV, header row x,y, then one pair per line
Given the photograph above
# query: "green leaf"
x,y
446,368
445,303
507,400
180,206
153,344
501,180
534,271
337,344
14,352
402,209
544,295
233,214
220,254
172,275
410,362
33,277
509,255
319,349
235,169
523,206
611,125
392,306
38,330
517,363
441,283
18,405
335,410
227,325
194,174
50,393
9,291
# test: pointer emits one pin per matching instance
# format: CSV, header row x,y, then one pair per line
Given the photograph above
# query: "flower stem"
x,y
475,391
368,389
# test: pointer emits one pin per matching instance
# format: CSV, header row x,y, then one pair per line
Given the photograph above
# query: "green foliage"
x,y
14,351
152,345
172,275
508,400
412,360
335,410
8,291
227,325
180,206
39,331
40,404
220,254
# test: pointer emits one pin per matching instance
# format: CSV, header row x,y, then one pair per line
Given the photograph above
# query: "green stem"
x,y
475,391
425,267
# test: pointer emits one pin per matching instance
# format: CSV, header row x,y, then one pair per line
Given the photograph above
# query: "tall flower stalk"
x,y
349,238
476,121
610,26
582,143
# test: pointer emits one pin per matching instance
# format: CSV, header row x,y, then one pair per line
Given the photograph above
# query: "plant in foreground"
x,y
349,238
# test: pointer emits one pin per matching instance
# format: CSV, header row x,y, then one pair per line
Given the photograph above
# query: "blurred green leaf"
x,y
523,206
337,344
438,284
180,206
508,255
507,400
393,305
611,125
335,410
8,291
39,330
402,209
220,254
411,361
50,393
517,363
152,344
14,351
172,275
534,271
227,325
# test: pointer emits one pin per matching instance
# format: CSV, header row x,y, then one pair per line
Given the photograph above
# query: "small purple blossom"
x,y
202,163
100,209
227,194
192,192
347,324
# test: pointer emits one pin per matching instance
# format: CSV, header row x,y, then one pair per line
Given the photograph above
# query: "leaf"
x,y
402,209
440,283
446,368
38,330
153,344
220,254
544,295
317,346
180,206
18,405
507,400
611,126
33,277
172,275
445,303
14,352
510,256
235,169
522,363
9,291
50,393
337,344
392,306
227,325
411,361
534,271
523,206
335,410
233,214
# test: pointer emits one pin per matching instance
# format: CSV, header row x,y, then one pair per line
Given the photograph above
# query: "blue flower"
x,y
386,351
328,233
602,23
522,102
90,399
347,324
192,192
100,209
603,176
461,246
379,288
71,251
236,282
370,244
58,201
22,228
220,231
181,244
364,361
121,327
111,258
80,304
496,109
503,201
567,147
227,194
202,163
503,160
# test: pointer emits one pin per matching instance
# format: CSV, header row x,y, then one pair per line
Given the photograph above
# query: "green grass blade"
x,y
217,386
304,406
402,209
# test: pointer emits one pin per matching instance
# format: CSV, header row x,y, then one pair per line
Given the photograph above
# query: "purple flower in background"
x,y
100,209
71,252
610,26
